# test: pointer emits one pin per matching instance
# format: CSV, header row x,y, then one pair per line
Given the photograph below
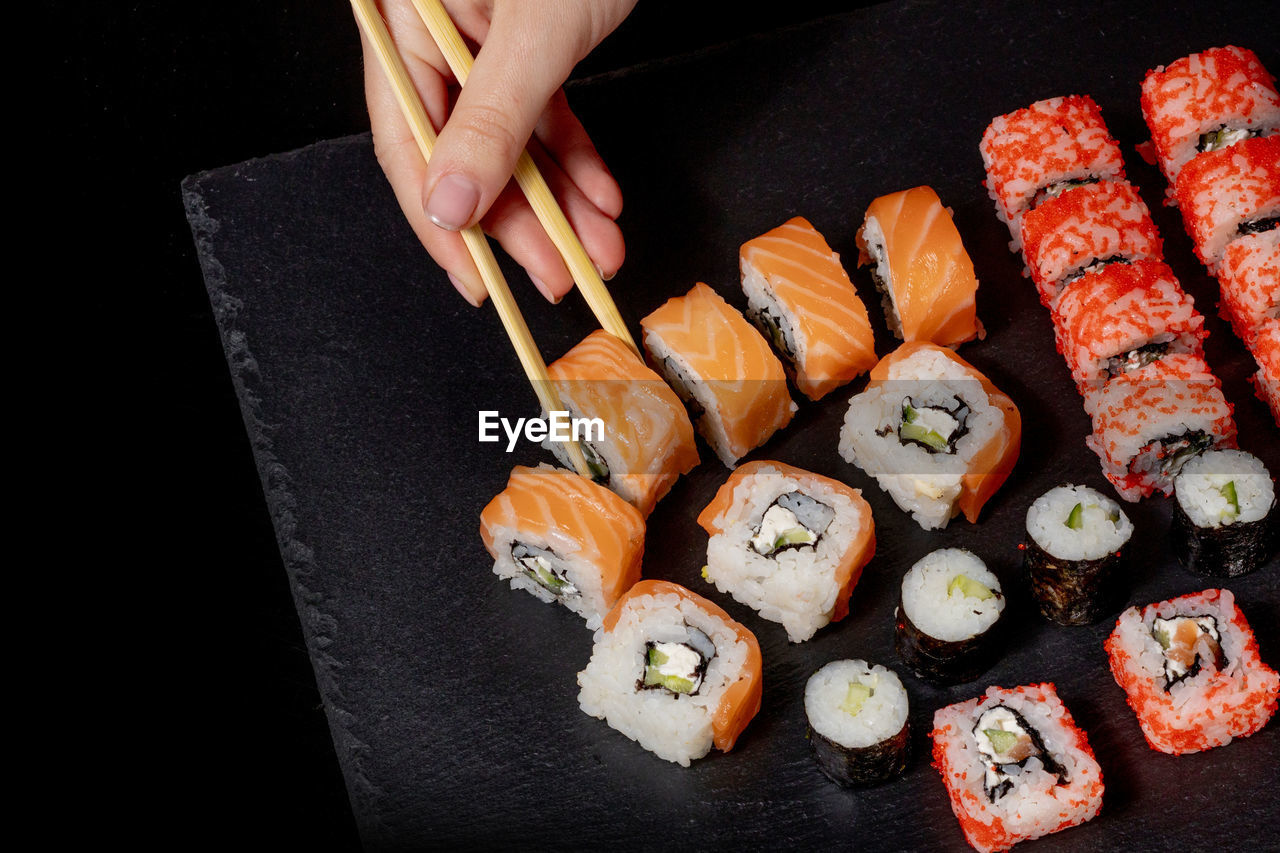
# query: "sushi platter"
x,y
453,699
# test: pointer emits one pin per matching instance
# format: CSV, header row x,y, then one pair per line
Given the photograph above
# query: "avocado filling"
x,y
969,588
1054,190
1138,358
543,566
857,696
1257,226
935,428
1183,639
1006,741
794,520
677,668
1225,137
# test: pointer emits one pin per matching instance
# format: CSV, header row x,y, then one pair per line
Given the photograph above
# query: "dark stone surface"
x,y
452,699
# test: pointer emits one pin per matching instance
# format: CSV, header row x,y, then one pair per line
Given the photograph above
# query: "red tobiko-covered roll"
x,y
1016,766
1124,317
1035,153
1145,428
1205,102
1250,280
1228,193
1083,228
1191,672
1266,351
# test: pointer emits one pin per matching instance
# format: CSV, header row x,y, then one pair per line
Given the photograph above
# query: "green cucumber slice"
x,y
908,415
1075,520
1162,637
674,683
911,432
1229,492
1001,741
858,694
969,588
794,536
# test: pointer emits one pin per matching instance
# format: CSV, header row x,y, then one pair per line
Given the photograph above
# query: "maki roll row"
x,y
1214,118
1129,333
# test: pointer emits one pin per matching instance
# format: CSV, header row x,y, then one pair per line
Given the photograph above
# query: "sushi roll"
x,y
1190,670
1034,154
934,432
1205,102
801,298
648,440
858,726
1015,765
1266,351
723,370
1178,367
1084,229
1225,522
673,672
1145,431
1074,551
1229,193
788,543
1250,281
1122,318
563,538
947,627
919,264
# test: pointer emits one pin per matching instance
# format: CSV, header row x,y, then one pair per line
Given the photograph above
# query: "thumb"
x,y
529,51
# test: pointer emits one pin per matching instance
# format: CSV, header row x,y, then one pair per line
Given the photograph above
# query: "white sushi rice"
x,y
1200,485
881,715
1104,527
946,615
674,727
797,586
589,603
760,297
676,369
1037,804
925,484
873,238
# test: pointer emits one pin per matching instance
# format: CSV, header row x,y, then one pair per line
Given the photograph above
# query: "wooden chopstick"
x,y
375,29
534,186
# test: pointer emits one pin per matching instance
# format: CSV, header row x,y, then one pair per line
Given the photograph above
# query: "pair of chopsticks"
x,y
535,188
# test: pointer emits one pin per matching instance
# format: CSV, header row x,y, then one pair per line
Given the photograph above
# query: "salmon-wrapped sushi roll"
x,y
1191,672
1124,317
1250,282
1034,154
800,296
1266,351
788,543
1205,102
673,672
1228,193
919,263
1144,431
723,370
648,440
563,538
1084,229
934,432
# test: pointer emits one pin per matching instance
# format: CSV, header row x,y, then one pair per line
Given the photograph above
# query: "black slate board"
x,y
452,699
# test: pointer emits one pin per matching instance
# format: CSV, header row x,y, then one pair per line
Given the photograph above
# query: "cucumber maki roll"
x,y
858,726
1224,518
948,617
1075,545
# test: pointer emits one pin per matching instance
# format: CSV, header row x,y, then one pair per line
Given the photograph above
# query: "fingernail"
x,y
453,201
600,273
544,290
464,290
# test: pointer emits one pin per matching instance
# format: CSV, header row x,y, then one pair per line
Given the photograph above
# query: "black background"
x,y
208,669
834,116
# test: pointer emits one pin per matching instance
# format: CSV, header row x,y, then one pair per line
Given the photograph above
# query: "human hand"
x,y
527,49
